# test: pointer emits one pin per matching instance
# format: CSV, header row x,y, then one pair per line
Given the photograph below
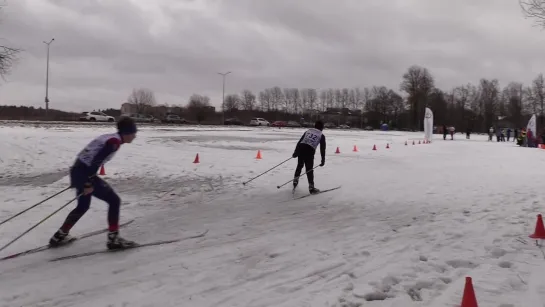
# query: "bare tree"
x,y
366,98
312,96
265,99
232,102
331,94
513,96
143,99
248,100
198,106
462,97
396,105
323,100
383,105
535,96
418,83
338,98
352,99
288,100
534,9
296,100
489,96
379,103
440,102
292,100
276,97
198,101
8,56
345,98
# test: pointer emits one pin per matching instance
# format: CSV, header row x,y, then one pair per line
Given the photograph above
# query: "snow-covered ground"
x,y
406,228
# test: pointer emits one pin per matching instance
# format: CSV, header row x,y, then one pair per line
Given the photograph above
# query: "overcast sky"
x,y
105,48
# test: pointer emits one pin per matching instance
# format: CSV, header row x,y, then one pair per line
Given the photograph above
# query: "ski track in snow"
x,y
406,228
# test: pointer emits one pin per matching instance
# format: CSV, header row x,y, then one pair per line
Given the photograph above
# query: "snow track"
x,y
408,225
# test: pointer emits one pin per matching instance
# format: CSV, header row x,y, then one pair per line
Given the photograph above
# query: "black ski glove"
x,y
323,162
294,155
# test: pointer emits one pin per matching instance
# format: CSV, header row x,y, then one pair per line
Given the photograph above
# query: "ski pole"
x,y
244,183
279,186
43,201
43,220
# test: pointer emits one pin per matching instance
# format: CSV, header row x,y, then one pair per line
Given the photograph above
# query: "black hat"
x,y
319,125
126,125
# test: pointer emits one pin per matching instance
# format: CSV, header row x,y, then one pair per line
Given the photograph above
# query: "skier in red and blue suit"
x,y
84,179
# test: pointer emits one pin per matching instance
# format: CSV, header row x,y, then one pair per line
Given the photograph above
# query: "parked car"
x,y
173,119
154,119
96,117
233,121
140,118
278,123
259,122
293,124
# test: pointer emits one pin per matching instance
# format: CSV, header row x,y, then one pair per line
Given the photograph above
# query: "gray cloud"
x,y
103,49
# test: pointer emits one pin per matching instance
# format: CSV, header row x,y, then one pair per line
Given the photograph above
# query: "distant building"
x,y
342,115
127,108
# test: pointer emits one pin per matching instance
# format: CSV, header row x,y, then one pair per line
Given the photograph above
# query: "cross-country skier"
x,y
83,178
305,151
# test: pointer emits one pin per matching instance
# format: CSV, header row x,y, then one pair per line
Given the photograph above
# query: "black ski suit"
x,y
305,151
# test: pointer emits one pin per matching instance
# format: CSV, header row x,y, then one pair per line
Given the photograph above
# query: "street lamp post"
x,y
223,95
47,78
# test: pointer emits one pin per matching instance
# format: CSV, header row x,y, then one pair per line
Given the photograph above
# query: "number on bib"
x,y
312,138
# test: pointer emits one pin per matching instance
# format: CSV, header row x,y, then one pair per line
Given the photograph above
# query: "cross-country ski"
x,y
317,193
73,239
137,245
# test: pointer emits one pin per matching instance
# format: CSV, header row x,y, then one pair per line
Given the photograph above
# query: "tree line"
x,y
467,106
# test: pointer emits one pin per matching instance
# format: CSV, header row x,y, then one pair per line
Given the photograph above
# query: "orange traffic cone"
x,y
413,142
102,171
258,155
197,160
355,149
337,151
419,142
405,143
539,233
468,298
387,146
374,147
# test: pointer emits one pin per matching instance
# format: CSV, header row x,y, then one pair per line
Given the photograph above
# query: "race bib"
x,y
312,137
92,149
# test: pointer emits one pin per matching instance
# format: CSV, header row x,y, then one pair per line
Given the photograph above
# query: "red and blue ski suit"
x,y
83,174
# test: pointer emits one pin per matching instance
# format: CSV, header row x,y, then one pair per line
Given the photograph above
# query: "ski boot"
x,y
312,190
295,183
117,242
60,238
